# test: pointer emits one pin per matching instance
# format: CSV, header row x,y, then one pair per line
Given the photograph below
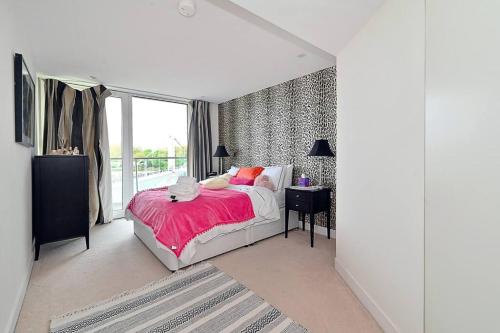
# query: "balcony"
x,y
148,172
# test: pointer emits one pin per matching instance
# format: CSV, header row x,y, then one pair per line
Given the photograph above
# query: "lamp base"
x,y
321,173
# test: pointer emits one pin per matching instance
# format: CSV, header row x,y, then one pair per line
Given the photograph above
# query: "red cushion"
x,y
249,173
241,181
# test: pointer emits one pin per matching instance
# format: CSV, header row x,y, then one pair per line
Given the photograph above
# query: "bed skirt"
x,y
221,244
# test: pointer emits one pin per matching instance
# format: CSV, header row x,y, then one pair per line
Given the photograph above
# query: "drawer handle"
x,y
297,205
297,196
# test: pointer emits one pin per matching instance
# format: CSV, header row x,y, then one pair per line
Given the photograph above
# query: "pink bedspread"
x,y
176,223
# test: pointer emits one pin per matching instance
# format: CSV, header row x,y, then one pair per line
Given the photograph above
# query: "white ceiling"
x,y
327,24
223,52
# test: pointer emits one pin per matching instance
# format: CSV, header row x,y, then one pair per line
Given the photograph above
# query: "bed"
x,y
267,221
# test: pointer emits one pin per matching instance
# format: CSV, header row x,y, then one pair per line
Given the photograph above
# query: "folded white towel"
x,y
179,189
183,180
183,197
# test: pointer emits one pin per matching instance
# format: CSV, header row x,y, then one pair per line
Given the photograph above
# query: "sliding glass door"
x,y
147,142
160,142
114,120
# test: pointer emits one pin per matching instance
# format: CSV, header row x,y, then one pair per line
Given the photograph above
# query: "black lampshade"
x,y
321,148
221,152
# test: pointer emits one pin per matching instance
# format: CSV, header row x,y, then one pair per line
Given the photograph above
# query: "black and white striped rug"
x,y
200,299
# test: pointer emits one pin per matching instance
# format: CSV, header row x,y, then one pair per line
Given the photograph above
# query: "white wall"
x,y
380,182
15,180
463,166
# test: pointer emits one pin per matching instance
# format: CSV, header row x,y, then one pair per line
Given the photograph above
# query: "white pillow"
x,y
226,176
233,171
276,174
216,183
288,176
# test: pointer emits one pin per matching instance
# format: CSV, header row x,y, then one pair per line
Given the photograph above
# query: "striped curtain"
x,y
76,118
200,141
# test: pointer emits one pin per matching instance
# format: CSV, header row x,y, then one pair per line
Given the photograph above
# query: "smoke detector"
x,y
187,8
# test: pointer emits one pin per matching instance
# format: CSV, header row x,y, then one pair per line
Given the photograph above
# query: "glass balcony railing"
x,y
154,172
117,183
148,172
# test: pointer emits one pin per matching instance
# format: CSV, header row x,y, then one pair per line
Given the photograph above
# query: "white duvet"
x,y
263,200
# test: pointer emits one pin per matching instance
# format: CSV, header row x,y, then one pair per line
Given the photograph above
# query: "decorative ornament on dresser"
x,y
65,151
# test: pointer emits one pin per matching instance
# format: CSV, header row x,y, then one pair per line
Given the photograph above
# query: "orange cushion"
x,y
249,173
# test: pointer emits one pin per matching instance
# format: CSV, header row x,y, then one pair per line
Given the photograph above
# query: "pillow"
x,y
233,171
249,173
241,181
226,176
216,183
264,181
276,175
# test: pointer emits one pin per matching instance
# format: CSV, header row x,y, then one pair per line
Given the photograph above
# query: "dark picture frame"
x,y
24,96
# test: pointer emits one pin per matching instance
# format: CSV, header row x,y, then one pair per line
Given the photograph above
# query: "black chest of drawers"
x,y
60,199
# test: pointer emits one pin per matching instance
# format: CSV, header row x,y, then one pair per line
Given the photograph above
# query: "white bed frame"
x,y
218,245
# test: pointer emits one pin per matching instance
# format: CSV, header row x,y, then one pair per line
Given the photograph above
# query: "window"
x,y
114,119
160,142
147,142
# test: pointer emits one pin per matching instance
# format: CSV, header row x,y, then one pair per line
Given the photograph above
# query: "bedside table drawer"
x,y
302,206
300,201
297,196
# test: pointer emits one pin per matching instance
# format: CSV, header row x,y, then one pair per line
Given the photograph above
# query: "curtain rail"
x,y
138,92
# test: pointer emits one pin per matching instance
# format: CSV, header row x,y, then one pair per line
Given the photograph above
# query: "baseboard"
x,y
382,319
319,230
16,309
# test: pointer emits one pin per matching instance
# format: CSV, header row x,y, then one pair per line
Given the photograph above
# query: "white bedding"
x,y
280,198
263,200
265,208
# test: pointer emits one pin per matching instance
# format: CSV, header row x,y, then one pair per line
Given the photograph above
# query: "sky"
x,y
152,121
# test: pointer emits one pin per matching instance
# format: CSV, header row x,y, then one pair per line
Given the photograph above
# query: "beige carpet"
x,y
287,273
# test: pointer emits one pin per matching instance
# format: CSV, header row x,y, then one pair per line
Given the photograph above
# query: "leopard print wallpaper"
x,y
278,125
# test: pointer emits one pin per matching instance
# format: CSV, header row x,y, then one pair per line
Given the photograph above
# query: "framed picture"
x,y
24,93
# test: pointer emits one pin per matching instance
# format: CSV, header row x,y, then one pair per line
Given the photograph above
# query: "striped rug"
x,y
200,299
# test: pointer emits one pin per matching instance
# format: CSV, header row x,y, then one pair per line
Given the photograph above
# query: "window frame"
x,y
127,136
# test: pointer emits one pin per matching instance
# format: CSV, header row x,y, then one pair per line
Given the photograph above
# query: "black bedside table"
x,y
308,202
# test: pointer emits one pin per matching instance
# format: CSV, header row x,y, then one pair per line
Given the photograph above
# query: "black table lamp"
x,y
221,152
322,149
